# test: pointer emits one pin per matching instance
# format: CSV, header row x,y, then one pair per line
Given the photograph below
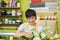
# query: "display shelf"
x,y
9,24
9,12
1,8
11,28
10,17
7,30
9,8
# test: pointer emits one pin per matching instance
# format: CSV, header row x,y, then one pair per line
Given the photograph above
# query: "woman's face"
x,y
31,20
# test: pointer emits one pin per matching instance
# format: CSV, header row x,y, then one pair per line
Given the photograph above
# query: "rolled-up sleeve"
x,y
21,27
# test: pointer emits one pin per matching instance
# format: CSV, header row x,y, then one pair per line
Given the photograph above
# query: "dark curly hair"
x,y
30,12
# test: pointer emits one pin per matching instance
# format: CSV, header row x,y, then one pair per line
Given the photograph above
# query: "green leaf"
x,y
46,38
25,38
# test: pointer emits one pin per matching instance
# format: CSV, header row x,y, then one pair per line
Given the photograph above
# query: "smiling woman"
x,y
30,26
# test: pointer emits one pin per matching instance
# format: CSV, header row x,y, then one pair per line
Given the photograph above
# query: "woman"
x,y
30,26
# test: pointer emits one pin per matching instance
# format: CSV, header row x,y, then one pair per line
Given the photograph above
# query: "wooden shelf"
x,y
9,8
11,28
10,17
9,24
48,19
7,30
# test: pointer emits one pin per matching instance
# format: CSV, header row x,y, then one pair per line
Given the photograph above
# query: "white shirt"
x,y
22,27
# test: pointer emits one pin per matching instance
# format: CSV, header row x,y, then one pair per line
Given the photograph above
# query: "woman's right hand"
x,y
18,34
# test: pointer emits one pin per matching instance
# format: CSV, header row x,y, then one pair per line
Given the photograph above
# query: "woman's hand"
x,y
28,35
18,34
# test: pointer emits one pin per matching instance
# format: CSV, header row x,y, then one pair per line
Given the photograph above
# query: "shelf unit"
x,y
24,7
10,27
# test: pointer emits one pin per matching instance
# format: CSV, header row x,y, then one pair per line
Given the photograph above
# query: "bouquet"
x,y
40,36
36,36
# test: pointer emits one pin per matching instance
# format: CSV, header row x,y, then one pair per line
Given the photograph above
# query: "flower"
x,y
43,35
36,38
56,36
35,34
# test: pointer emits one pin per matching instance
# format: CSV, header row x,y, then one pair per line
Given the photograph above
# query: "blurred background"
x,y
12,14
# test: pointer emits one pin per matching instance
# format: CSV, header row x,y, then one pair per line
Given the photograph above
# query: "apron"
x,y
24,38
33,27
